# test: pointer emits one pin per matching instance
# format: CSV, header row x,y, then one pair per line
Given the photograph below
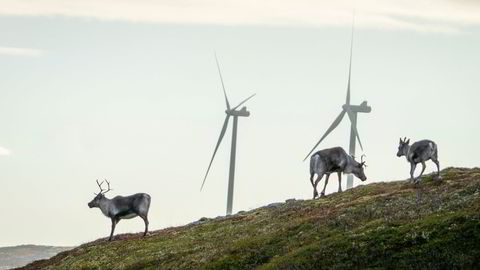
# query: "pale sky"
x,y
129,91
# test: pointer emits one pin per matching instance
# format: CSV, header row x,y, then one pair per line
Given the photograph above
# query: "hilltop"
x,y
435,224
21,255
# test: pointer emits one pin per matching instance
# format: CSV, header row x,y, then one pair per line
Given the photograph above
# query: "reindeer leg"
x,y
435,160
325,186
114,223
412,171
145,219
339,182
421,173
315,192
312,175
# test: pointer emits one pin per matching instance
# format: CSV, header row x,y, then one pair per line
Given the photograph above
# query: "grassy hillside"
x,y
21,255
435,224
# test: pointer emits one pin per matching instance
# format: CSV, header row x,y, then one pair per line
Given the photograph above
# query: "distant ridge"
x,y
390,225
16,256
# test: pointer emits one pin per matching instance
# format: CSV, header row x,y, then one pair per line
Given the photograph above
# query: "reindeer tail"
x,y
434,149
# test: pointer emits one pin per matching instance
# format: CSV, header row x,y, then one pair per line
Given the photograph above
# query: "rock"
x,y
200,221
274,205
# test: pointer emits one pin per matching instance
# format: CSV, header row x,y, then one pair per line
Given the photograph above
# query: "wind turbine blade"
x,y
222,133
350,66
330,129
350,116
223,85
347,101
241,103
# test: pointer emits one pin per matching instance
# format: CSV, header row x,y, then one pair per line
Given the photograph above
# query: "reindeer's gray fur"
x,y
331,160
419,152
123,208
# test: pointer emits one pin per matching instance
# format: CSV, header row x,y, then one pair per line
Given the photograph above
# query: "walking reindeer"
x,y
121,207
332,160
419,152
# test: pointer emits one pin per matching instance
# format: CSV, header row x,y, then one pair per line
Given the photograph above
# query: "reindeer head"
x,y
99,196
359,168
403,147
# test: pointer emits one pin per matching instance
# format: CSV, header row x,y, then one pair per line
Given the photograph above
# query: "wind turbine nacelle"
x,y
242,113
362,108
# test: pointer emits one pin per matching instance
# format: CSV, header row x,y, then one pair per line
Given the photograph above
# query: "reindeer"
x,y
121,207
331,160
419,152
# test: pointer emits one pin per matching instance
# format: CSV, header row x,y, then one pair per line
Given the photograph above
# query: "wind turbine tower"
x,y
352,112
235,113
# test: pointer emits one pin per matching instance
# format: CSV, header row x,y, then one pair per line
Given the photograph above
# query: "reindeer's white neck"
x,y
104,205
349,167
407,152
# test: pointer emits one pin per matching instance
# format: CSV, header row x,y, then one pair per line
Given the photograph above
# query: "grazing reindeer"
x,y
122,207
419,152
332,160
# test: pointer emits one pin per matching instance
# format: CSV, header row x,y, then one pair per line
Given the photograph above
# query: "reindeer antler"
x,y
103,191
108,184
363,162
99,186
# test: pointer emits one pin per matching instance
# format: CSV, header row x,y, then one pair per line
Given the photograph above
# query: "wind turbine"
x,y
351,111
235,113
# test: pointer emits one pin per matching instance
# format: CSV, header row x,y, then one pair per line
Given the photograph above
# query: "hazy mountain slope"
x,y
21,255
435,224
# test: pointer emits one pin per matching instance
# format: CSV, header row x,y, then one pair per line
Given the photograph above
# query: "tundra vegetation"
x,y
391,225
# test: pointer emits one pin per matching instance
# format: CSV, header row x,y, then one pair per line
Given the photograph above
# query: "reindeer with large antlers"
x,y
121,207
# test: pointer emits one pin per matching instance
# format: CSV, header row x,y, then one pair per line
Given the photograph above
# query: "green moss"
x,y
448,242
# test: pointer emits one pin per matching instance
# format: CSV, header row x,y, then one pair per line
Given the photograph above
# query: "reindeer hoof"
x,y
322,194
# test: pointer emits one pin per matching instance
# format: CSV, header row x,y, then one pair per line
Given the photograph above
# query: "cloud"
x,y
4,151
416,15
12,51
